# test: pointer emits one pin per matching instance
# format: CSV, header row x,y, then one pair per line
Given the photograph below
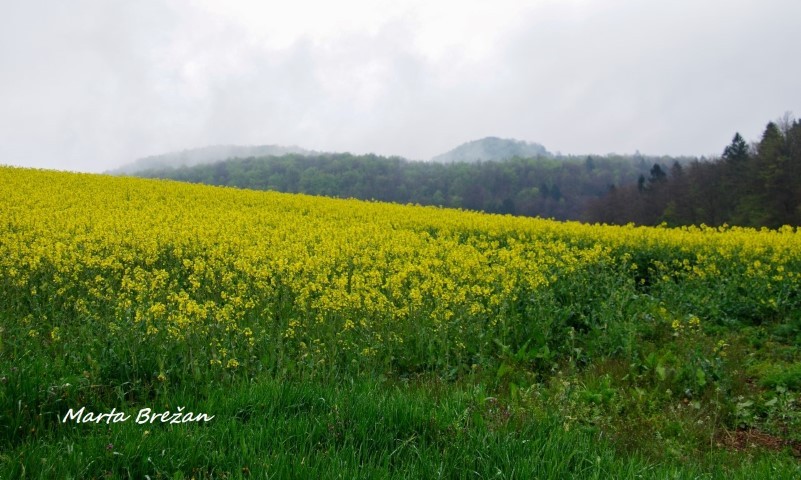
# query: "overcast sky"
x,y
91,84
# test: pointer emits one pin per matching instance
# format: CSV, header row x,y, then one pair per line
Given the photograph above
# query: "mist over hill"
x,y
491,149
485,149
206,155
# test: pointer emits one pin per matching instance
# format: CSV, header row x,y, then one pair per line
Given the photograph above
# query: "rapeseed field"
x,y
119,292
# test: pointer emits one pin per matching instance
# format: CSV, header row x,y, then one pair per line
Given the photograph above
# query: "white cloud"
x,y
90,84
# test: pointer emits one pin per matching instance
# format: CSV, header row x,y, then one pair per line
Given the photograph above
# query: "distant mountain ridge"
x,y
492,149
485,149
205,155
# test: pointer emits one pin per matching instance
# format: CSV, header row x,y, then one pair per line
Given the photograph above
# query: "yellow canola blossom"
x,y
295,276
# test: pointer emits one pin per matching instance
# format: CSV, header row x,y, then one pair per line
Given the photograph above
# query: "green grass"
x,y
366,429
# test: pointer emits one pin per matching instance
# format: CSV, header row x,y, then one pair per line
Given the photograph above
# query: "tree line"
x,y
559,187
757,185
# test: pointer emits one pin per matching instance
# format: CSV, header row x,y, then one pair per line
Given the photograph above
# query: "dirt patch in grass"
x,y
746,439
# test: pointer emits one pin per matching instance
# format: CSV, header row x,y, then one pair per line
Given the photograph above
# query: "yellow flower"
x,y
215,270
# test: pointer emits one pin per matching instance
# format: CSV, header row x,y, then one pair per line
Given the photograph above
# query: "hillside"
x,y
749,185
551,187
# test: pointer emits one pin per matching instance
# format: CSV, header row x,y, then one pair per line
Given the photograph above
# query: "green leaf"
x,y
514,391
504,370
700,376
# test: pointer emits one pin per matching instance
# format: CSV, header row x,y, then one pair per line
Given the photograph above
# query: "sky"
x,y
89,85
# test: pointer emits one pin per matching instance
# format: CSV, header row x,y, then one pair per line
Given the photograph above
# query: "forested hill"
x,y
492,148
756,185
549,186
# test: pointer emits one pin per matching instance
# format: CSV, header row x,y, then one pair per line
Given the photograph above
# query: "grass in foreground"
x,y
365,429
